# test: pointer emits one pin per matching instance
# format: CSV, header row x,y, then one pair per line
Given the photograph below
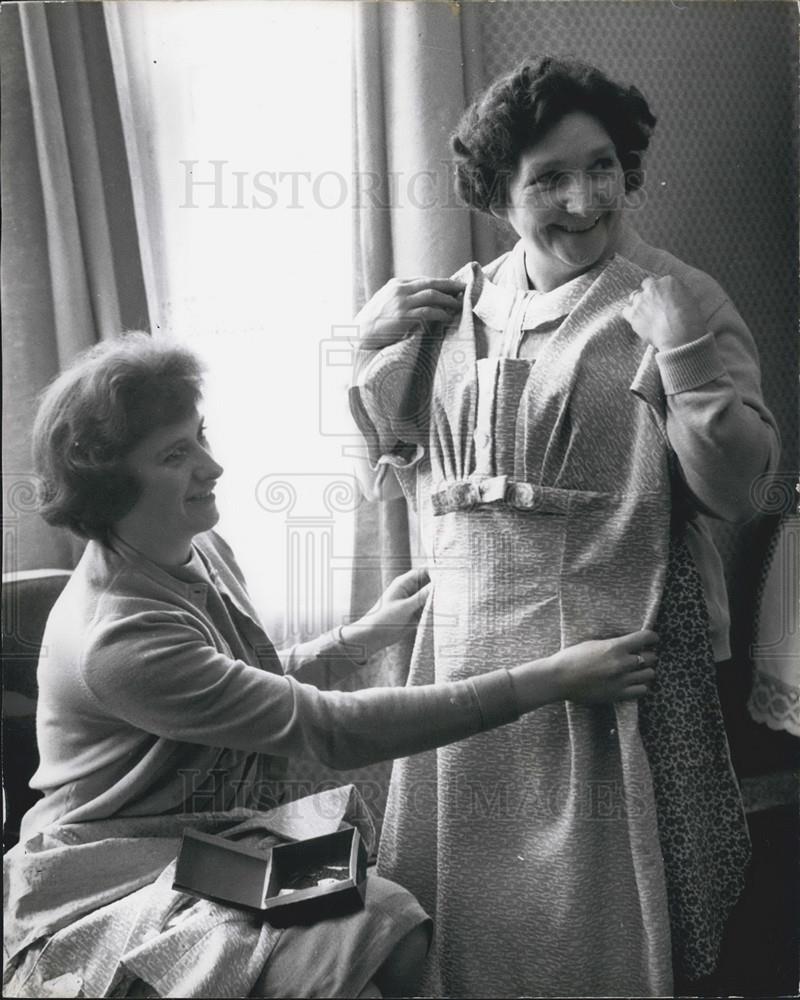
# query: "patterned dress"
x,y
544,495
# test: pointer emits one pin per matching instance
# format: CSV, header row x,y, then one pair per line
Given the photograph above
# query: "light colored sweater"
x,y
160,695
722,433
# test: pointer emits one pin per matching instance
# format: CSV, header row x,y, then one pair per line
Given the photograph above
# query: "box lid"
x,y
222,870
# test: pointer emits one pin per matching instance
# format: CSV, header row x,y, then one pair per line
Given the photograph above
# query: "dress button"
x,y
523,495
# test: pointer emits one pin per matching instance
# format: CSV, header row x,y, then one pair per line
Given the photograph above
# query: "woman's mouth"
x,y
201,497
582,226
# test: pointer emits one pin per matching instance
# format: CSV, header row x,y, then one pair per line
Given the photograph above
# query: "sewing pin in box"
x,y
299,882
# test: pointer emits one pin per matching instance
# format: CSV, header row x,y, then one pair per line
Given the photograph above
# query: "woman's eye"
x,y
604,163
175,456
544,180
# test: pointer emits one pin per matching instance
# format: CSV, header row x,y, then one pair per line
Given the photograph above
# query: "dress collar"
x,y
500,297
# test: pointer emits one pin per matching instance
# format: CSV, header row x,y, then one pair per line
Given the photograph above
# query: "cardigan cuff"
x,y
332,645
690,365
497,699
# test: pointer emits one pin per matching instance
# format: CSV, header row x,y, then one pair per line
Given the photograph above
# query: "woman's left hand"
x,y
393,614
664,313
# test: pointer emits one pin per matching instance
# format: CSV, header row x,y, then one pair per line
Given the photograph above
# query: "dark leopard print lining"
x,y
701,821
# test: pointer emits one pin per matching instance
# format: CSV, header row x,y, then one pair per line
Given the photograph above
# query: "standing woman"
x,y
163,705
585,403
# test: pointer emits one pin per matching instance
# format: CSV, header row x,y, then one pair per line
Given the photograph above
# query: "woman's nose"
x,y
209,468
577,194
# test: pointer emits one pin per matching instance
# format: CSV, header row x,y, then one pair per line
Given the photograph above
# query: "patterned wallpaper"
x,y
721,176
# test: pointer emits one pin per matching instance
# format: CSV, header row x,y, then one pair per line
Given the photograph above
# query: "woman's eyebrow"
x,y
548,166
607,149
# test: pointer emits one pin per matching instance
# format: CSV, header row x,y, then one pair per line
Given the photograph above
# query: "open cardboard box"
x,y
281,884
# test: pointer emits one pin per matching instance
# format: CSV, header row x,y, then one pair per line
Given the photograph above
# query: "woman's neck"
x,y
165,553
545,274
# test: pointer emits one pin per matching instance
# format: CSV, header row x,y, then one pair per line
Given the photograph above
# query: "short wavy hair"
x,y
93,415
517,109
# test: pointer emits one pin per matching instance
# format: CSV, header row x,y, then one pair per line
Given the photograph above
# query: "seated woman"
x,y
164,705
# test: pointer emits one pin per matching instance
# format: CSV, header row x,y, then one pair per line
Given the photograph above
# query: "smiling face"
x,y
176,476
564,200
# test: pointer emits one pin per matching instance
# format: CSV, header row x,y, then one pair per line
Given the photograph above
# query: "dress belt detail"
x,y
466,494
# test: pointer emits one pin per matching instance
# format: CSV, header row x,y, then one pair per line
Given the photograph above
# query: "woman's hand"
x,y
389,619
664,313
600,670
403,307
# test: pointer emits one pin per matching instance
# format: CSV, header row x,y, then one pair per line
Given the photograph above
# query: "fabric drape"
x,y
415,67
70,255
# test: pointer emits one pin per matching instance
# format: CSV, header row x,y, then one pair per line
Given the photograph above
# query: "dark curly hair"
x,y
519,108
94,414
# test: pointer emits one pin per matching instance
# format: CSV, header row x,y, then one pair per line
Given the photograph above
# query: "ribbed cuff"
x,y
497,699
690,365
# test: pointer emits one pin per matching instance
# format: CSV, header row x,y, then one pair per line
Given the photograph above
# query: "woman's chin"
x,y
212,519
580,262
205,517
581,250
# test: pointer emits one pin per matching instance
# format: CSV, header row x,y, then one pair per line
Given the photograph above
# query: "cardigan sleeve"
x,y
155,671
718,425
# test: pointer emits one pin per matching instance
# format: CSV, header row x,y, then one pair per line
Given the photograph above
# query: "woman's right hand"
x,y
600,670
405,306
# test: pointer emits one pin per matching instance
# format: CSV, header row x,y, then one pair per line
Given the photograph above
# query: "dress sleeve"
x,y
722,433
157,672
389,401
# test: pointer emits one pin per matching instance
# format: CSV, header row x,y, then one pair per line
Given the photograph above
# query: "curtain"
x,y
416,67
241,166
70,258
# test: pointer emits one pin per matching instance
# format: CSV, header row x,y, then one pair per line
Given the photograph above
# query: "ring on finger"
x,y
640,660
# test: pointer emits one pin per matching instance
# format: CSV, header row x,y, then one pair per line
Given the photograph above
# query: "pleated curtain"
x,y
416,66
71,267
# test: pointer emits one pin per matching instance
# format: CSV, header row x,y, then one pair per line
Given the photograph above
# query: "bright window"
x,y
242,121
